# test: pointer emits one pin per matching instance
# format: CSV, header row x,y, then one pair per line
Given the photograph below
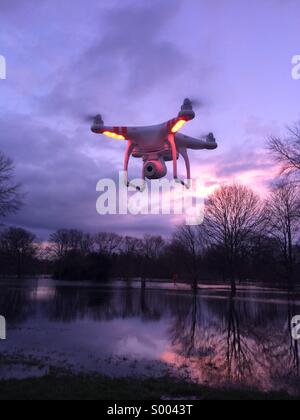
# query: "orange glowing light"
x,y
178,126
113,135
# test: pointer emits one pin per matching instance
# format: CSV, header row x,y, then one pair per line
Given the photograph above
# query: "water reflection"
x,y
210,337
238,343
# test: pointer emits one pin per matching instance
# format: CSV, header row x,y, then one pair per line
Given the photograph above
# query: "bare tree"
x,y
75,240
283,208
70,240
107,243
10,196
188,245
233,214
286,151
132,246
131,253
20,245
153,247
86,244
59,242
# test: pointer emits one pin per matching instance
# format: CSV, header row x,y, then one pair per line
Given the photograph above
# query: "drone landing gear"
x,y
128,184
184,154
182,151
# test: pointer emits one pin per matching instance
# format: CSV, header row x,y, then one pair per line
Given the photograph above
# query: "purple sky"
x,y
135,61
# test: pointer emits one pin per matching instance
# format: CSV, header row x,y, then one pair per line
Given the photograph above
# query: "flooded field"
x,y
120,330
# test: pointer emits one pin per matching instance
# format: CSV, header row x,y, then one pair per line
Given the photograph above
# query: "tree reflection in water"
x,y
241,348
239,356
213,337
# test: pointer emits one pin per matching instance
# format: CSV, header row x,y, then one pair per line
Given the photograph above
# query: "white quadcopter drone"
x,y
158,144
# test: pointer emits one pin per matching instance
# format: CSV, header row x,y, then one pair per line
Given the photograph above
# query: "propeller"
x,y
93,119
198,103
211,138
88,117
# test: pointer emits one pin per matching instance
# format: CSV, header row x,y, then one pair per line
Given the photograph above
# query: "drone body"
x,y
158,144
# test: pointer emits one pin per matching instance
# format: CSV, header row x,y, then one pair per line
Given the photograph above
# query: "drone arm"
x,y
186,142
185,115
117,133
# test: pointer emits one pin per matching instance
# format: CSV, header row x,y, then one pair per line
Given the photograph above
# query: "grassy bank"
x,y
83,387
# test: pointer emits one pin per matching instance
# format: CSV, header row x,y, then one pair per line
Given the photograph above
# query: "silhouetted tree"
x,y
233,214
132,246
64,241
59,242
19,247
87,244
75,258
283,208
188,246
76,240
108,243
10,196
261,259
286,151
131,257
152,248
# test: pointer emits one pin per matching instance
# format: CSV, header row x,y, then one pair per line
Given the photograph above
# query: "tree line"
x,y
243,237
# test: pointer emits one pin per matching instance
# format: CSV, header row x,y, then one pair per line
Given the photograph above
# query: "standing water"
x,y
120,330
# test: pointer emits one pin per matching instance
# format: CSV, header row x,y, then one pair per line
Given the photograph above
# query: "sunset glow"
x,y
164,266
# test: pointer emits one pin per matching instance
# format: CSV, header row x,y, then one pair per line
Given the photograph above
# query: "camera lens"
x,y
150,168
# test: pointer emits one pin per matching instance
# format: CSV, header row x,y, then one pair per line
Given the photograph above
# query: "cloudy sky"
x,y
135,61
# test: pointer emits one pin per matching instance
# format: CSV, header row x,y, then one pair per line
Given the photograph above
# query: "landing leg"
x,y
171,139
185,156
128,154
128,184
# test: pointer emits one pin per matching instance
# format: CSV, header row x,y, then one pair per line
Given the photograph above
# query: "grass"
x,y
93,387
